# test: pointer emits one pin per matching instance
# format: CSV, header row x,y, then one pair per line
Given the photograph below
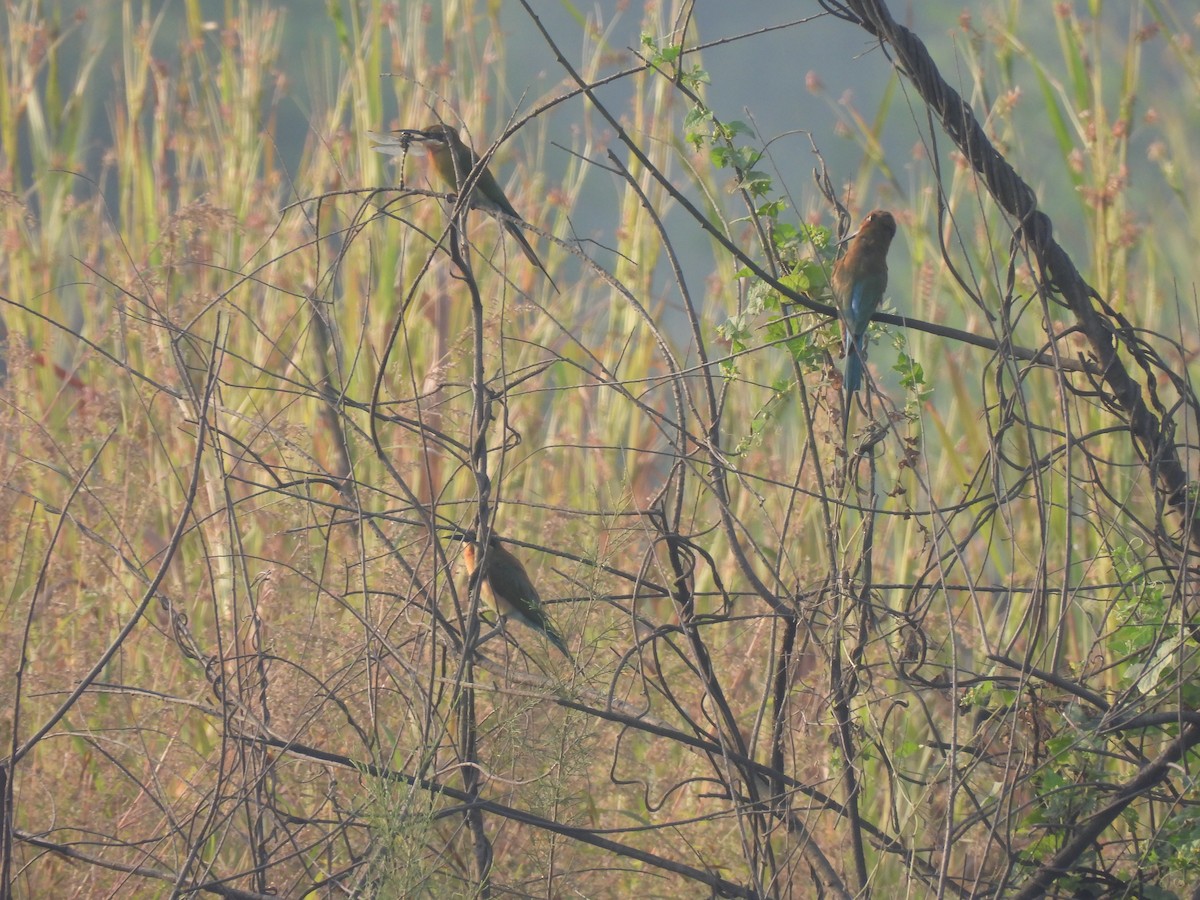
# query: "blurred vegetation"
x,y
248,416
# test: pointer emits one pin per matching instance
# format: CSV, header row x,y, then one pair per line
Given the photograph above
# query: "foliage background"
x,y
250,409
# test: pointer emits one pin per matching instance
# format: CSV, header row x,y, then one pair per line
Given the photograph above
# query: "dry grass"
x,y
241,439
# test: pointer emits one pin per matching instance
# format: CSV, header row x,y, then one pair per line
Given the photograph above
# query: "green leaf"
x,y
797,281
696,114
912,376
789,232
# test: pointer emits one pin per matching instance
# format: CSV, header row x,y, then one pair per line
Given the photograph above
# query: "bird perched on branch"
x,y
508,588
456,164
859,279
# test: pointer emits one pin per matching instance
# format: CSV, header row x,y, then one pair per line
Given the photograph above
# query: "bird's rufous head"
x,y
439,132
877,230
470,555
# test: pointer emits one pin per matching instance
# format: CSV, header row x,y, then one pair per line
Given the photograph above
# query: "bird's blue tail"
x,y
853,376
557,641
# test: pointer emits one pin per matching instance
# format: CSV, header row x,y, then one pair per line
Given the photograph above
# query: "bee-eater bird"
x,y
456,163
507,586
859,279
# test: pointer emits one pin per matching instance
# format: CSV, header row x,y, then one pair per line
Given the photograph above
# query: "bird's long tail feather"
x,y
853,376
515,230
851,381
559,643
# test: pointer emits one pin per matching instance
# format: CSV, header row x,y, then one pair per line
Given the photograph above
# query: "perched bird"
x,y
511,593
859,279
455,163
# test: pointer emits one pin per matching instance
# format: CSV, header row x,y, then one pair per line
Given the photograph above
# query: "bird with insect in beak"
x,y
858,281
507,586
457,164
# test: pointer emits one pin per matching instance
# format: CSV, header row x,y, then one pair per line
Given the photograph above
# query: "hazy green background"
x,y
765,87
